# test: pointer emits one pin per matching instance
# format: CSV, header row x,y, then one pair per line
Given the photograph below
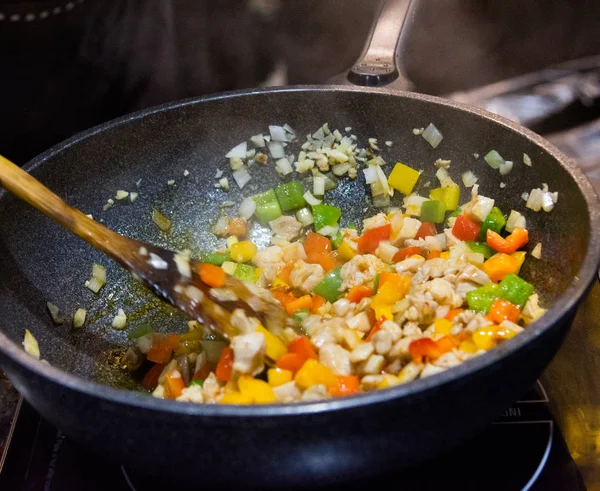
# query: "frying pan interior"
x,y
40,262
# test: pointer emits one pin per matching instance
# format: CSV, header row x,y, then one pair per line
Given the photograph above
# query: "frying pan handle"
x,y
379,64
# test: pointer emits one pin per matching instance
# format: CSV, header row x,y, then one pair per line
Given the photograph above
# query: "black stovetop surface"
x,y
522,450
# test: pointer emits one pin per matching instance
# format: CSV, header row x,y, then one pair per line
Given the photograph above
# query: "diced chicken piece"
x,y
451,240
447,360
443,292
409,265
350,235
336,358
360,269
242,322
268,256
430,370
286,227
400,349
362,352
287,392
409,229
293,252
532,310
351,339
342,307
377,221
477,322
373,365
248,353
371,382
194,393
315,393
211,388
382,340
393,328
359,322
476,275
411,329
410,372
305,277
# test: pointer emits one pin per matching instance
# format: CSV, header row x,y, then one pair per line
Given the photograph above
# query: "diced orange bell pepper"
x,y
402,254
316,243
510,244
317,303
173,384
303,347
357,293
429,349
225,365
304,302
162,351
433,254
452,313
375,328
325,260
237,227
499,265
369,241
291,361
502,310
284,273
212,275
283,298
150,380
345,385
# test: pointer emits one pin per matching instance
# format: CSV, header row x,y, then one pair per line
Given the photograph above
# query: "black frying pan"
x,y
272,445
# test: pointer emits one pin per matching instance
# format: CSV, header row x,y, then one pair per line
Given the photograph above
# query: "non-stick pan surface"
x,y
268,445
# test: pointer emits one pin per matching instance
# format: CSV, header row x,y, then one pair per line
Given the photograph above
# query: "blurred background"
x,y
69,65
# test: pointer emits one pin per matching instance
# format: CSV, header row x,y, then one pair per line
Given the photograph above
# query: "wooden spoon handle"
x,y
29,189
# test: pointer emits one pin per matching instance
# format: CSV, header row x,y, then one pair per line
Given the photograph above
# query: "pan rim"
x,y
565,303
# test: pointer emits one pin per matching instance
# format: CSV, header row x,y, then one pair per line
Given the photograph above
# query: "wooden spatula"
x,y
170,275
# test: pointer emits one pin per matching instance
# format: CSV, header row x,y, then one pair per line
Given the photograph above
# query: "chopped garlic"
x,y
223,183
133,196
218,174
389,143
502,185
418,131
79,317
31,345
527,160
186,173
108,204
121,194
537,251
171,182
120,320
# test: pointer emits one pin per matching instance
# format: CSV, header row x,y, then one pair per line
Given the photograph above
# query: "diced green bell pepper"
x,y
482,248
216,258
140,331
376,283
329,287
325,216
494,221
449,195
290,195
199,382
514,289
481,299
433,211
300,315
267,206
337,240
245,272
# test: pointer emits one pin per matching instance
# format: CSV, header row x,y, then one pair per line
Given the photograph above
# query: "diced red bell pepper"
x,y
291,361
316,243
162,351
465,229
150,380
303,347
225,365
202,373
324,259
345,385
426,230
375,328
368,242
402,254
429,349
357,293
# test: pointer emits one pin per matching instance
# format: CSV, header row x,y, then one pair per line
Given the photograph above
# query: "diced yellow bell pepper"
x,y
275,346
230,241
243,251
235,397
445,255
520,257
450,196
442,326
314,373
485,337
279,376
257,273
258,390
229,267
345,252
468,346
388,380
279,284
403,178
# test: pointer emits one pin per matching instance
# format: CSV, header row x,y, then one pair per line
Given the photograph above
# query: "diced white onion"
x,y
121,194
475,258
535,200
278,134
218,174
54,313
432,135
526,160
289,129
304,216
239,151
99,272
247,208
276,149
370,174
525,196
133,196
329,231
79,317
506,167
537,251
319,185
515,220
258,140
381,201
340,170
94,285
386,251
468,179
242,177
310,199
284,166
383,181
494,159
120,320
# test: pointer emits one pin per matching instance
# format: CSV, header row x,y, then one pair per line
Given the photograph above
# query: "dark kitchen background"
x,y
68,65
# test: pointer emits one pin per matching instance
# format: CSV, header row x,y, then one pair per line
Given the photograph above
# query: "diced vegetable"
x,y
304,302
120,320
150,380
345,385
514,289
502,310
369,241
494,159
402,254
426,349
432,135
216,258
481,299
426,229
403,178
245,272
161,221
449,195
140,331
283,166
211,275
337,240
515,220
305,217
79,317
225,366
510,244
239,151
303,347
465,229
279,376
291,362
267,206
494,221
345,251
290,195
499,265
161,351
357,293
243,251
481,248
433,211
314,373
30,345
325,216
469,179
301,314
329,287
173,384
526,160
537,251
505,167
247,208
275,346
